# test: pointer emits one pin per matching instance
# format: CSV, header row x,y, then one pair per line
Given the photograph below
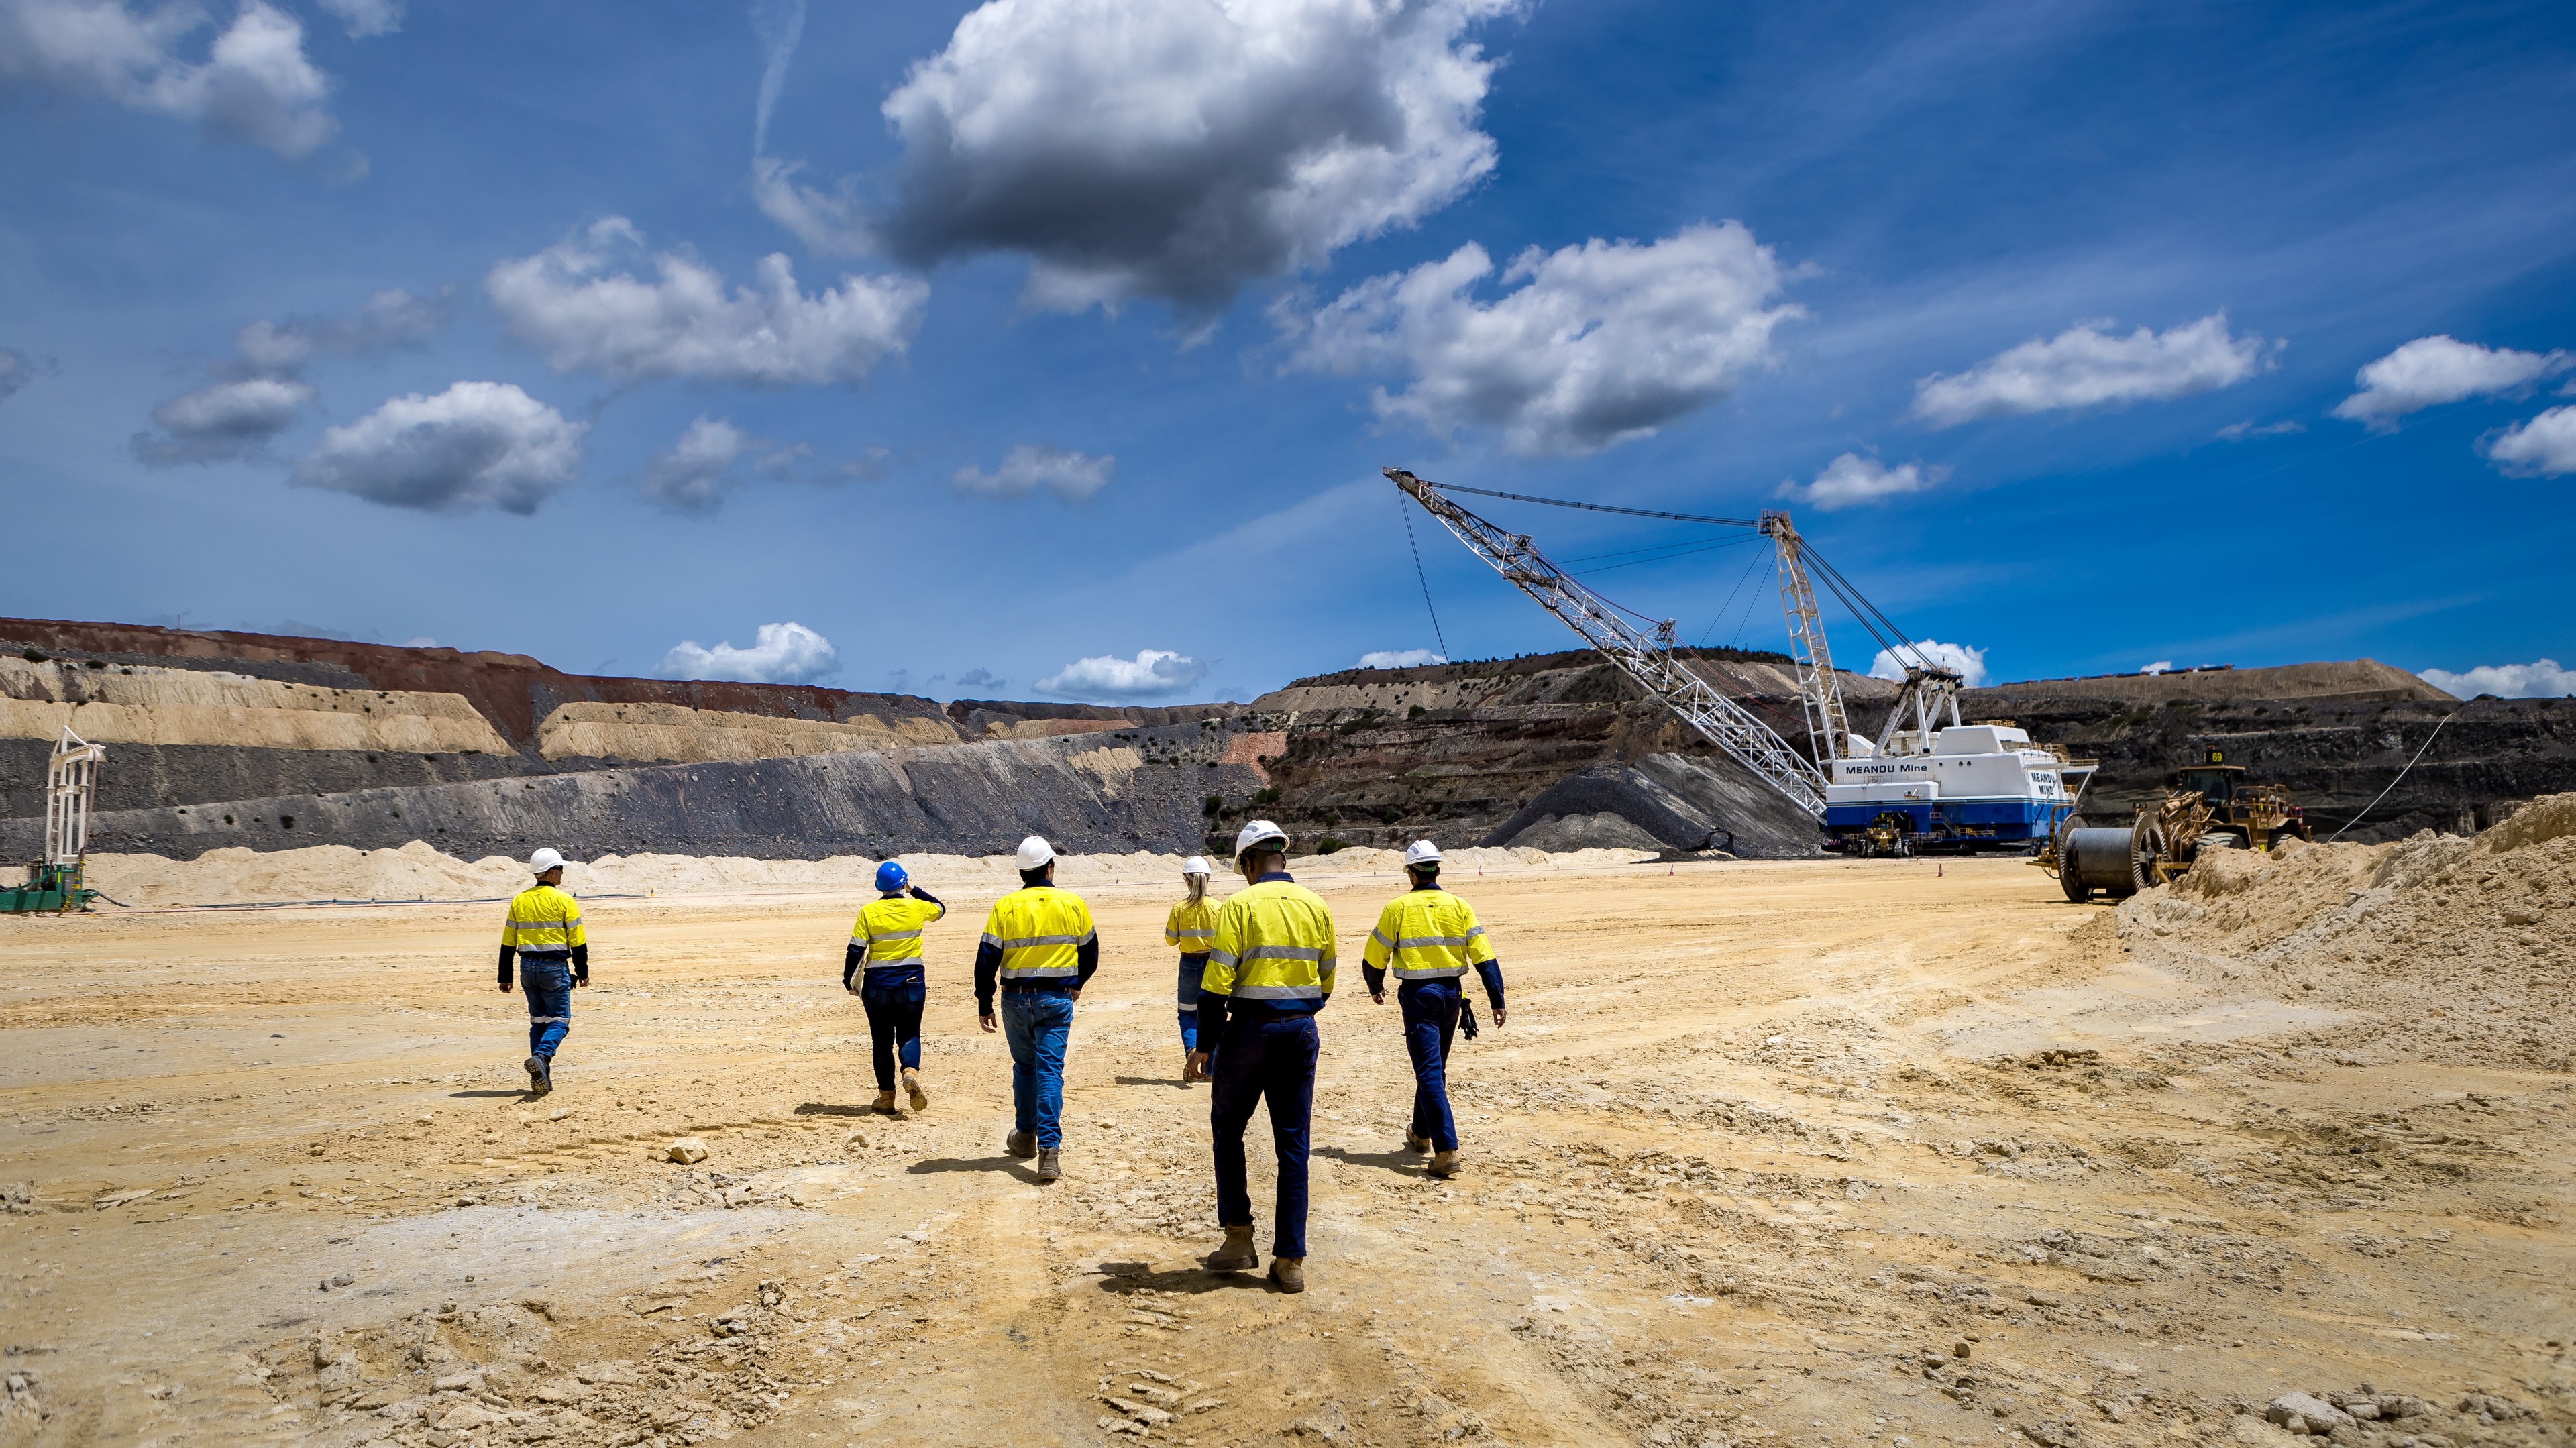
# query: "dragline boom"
x,y
1647,660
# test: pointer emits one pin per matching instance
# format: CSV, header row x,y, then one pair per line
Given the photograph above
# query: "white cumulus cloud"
x,y
363,18
780,653
2087,366
255,83
582,310
2545,444
1851,480
2540,679
259,392
223,421
1153,672
2432,371
476,444
1177,148
1071,476
2160,666
692,472
1593,345
1970,662
1399,658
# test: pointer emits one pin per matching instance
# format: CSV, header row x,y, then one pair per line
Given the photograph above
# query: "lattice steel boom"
x,y
1820,690
1648,660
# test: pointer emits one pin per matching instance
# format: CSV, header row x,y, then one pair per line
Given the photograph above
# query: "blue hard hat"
x,y
890,878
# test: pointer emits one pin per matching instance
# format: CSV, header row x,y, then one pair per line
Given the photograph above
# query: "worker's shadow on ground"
x,y
479,1095
1125,1279
1007,1166
830,1108
1174,1082
1400,1163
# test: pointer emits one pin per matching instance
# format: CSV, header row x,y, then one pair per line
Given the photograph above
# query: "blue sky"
x,y
1091,321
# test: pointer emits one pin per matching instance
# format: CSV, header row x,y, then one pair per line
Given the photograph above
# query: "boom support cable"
x,y
2401,774
1407,514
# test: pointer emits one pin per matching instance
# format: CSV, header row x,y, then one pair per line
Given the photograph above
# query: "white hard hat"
x,y
1195,865
545,859
1259,832
1422,852
1034,852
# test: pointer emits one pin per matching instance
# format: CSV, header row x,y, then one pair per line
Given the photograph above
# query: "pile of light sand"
x,y
418,871
2438,947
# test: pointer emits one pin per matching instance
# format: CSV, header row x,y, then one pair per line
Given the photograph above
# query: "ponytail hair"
x,y
1198,888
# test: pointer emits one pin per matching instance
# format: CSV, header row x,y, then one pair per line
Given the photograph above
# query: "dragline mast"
x,y
1649,660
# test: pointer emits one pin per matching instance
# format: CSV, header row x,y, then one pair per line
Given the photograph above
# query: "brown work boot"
x,y
1022,1144
1048,1167
1444,1164
885,1104
1416,1143
1289,1273
1238,1254
912,1088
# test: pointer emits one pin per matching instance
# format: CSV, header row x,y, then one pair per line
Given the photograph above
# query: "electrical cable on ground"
x,y
2401,774
1424,577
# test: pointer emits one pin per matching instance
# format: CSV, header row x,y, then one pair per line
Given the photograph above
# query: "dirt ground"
x,y
1884,1154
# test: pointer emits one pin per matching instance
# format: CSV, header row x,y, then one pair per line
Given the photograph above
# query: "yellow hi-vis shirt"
x,y
1274,942
1429,935
1039,928
1190,927
544,921
890,930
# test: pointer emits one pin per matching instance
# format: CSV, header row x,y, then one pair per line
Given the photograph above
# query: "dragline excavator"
x,y
1928,781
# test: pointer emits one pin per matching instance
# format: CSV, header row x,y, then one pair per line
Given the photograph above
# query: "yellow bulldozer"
x,y
2209,805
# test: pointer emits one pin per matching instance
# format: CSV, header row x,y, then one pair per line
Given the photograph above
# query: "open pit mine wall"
x,y
196,718
1555,750
1561,750
2335,733
1138,789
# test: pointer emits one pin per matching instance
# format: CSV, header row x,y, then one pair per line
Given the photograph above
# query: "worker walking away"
x,y
1430,938
1190,926
1039,948
1270,969
544,932
886,945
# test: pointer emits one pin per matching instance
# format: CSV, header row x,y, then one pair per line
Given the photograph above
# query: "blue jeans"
x,y
1266,1058
1037,1024
1193,970
1430,1018
548,987
893,997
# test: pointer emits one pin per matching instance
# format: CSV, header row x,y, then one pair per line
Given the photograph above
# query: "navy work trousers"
x,y
1193,971
1267,1058
1430,1019
548,987
893,996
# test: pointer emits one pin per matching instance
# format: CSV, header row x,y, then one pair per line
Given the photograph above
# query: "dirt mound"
x,y
418,871
2438,947
1663,802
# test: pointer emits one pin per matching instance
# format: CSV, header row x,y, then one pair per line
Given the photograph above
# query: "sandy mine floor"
x,y
1886,1154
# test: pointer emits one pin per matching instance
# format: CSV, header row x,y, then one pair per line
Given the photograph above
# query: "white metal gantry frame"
x,y
71,778
1649,661
1820,690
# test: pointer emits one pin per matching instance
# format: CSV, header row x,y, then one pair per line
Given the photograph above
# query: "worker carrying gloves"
x,y
885,944
543,930
1039,948
1269,970
1429,939
1189,928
